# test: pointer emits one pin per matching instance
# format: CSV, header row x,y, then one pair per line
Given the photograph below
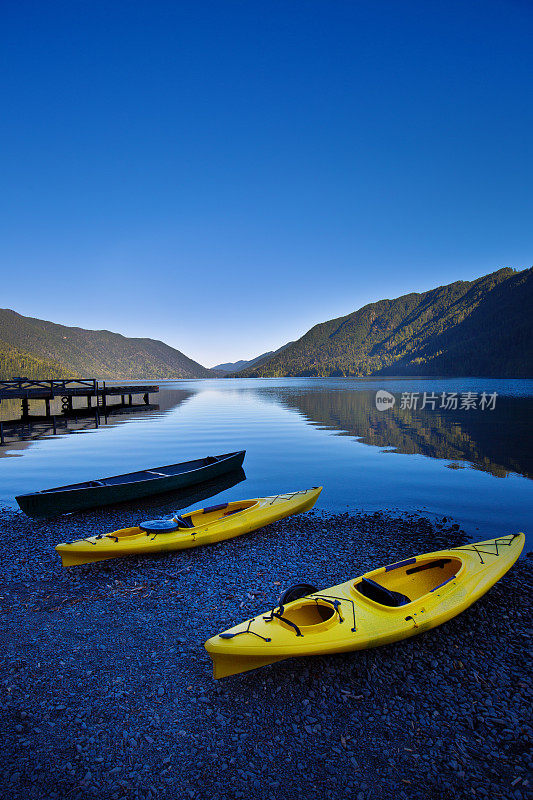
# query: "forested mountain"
x,y
482,327
15,362
35,348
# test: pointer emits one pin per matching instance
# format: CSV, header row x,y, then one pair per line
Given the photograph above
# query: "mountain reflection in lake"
x,y
495,441
306,432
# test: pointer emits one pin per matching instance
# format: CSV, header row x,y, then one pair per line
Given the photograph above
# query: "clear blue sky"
x,y
223,175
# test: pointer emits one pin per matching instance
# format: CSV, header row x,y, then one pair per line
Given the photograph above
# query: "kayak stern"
x,y
225,665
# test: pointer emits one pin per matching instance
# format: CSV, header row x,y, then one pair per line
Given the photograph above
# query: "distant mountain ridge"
x,y
233,369
37,348
482,327
237,366
233,366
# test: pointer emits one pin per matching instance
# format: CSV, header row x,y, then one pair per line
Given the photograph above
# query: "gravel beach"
x,y
107,691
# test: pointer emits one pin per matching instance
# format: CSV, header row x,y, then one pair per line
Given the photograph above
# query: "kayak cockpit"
x,y
407,581
210,514
186,523
307,613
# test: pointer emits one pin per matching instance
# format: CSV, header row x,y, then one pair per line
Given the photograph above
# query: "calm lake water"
x,y
473,465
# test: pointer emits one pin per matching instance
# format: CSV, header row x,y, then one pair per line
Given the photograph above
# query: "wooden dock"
x,y
97,396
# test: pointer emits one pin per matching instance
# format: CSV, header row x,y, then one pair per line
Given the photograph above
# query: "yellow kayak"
x,y
380,607
204,526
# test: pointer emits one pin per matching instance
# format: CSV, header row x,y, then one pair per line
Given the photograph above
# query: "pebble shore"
x,y
107,690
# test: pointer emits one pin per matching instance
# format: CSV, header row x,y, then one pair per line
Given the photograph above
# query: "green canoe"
x,y
131,486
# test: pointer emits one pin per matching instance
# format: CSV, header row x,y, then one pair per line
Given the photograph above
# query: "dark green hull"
x,y
132,486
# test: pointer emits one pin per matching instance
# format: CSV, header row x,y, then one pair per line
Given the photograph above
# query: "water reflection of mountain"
x,y
171,398
493,441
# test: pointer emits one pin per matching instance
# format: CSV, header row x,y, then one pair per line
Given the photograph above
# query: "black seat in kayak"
x,y
211,460
159,526
379,594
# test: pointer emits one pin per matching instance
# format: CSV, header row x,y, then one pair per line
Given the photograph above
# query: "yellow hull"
x,y
432,588
210,525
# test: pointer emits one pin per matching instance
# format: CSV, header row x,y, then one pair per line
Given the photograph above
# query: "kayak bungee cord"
x,y
337,601
499,541
239,633
279,615
287,496
278,612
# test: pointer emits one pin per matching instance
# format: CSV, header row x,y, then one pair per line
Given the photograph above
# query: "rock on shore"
x,y
107,691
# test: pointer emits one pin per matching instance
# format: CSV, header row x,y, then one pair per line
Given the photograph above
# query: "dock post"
x,y
54,424
96,419
123,399
25,408
2,442
146,398
131,399
47,404
104,399
89,403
